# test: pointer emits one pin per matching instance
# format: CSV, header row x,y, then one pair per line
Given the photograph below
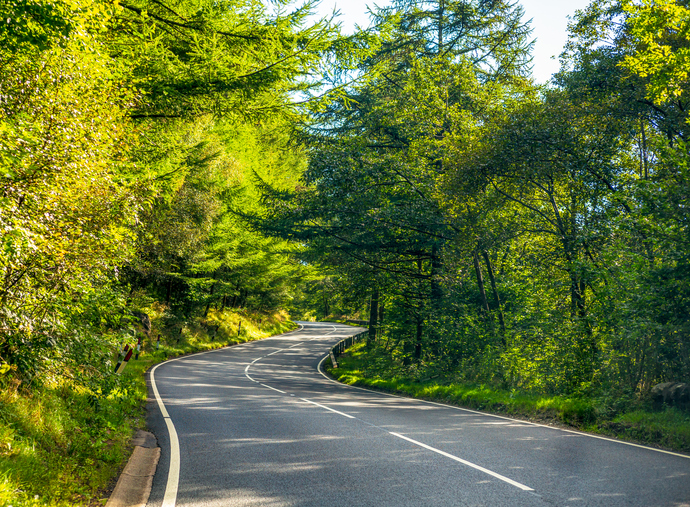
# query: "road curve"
x,y
258,425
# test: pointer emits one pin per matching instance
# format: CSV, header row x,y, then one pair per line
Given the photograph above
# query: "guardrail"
x,y
340,347
358,322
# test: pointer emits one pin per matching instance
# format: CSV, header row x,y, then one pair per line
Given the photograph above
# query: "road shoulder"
x,y
134,485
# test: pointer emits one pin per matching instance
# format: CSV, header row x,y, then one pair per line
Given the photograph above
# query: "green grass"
x,y
668,429
59,448
63,446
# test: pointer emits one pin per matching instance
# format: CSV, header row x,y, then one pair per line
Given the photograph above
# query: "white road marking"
x,y
174,469
452,407
246,370
465,462
246,374
327,408
170,497
273,388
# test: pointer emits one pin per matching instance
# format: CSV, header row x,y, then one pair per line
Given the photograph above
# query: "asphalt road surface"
x,y
257,424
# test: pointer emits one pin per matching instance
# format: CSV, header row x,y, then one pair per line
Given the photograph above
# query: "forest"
x,y
532,237
196,156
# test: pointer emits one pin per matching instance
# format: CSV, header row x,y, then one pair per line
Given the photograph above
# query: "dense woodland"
x,y
231,154
534,237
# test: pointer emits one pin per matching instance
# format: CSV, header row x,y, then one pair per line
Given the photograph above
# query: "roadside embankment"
x,y
669,428
64,440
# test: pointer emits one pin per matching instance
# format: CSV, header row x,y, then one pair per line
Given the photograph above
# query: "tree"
x,y
372,199
66,203
661,33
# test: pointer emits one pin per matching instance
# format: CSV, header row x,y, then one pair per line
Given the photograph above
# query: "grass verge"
x,y
669,429
64,445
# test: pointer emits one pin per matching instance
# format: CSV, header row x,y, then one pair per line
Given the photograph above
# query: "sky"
x,y
549,23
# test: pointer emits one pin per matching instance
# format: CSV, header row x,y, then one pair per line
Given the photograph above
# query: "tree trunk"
x,y
439,35
373,315
497,299
480,284
208,305
436,297
418,340
436,290
168,293
644,165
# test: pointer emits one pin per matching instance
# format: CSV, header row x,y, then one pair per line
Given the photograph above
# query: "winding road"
x,y
258,424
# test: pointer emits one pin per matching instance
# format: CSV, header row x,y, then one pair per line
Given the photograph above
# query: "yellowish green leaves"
x,y
661,31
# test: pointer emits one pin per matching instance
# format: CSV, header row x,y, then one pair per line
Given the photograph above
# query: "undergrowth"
x,y
669,428
63,443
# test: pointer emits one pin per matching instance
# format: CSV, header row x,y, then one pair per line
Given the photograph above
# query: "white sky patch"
x,y
549,24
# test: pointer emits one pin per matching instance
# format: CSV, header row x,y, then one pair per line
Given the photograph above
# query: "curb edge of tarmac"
x,y
134,484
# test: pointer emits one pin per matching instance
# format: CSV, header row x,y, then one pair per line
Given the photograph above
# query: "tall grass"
x,y
58,446
669,428
64,445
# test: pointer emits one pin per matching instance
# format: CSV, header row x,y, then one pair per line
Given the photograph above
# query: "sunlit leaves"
x,y
661,33
63,155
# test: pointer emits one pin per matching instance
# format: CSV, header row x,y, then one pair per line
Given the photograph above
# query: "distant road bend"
x,y
257,424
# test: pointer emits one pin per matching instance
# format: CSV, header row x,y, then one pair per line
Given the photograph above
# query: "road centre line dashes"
x,y
273,388
171,487
329,408
462,409
465,462
415,442
246,370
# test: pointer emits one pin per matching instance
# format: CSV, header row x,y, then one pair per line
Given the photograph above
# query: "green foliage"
x,y
629,419
64,208
530,238
63,442
131,134
661,32
188,161
132,138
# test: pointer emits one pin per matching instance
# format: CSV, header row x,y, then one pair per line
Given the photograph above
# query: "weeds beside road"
x,y
633,421
63,444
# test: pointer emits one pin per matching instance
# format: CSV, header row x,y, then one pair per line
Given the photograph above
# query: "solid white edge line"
x,y
465,462
580,433
328,408
170,497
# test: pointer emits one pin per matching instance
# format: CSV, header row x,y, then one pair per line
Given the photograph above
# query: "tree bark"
x,y
480,284
497,299
208,305
169,291
418,340
436,290
644,172
373,315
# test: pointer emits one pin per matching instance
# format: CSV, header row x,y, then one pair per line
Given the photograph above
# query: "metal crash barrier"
x,y
342,345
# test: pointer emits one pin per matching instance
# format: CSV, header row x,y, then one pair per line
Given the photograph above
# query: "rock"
x,y
144,320
674,394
